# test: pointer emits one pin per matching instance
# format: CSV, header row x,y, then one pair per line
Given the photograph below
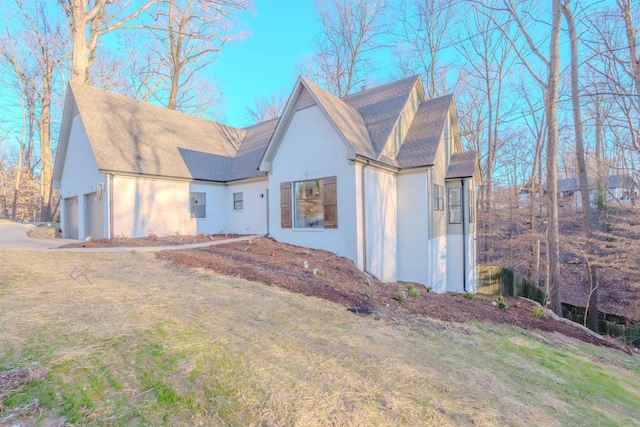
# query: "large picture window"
x,y
198,205
455,203
309,204
309,208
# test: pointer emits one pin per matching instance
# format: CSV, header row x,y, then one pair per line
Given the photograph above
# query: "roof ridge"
x,y
378,87
75,86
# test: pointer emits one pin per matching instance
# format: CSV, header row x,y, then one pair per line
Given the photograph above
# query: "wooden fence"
x,y
497,280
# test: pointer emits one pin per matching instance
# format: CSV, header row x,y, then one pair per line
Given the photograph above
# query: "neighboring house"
x,y
378,176
618,189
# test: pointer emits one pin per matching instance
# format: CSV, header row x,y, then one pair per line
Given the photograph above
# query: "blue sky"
x,y
282,32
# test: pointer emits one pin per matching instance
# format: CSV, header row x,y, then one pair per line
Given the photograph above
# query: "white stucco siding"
x,y
382,223
471,257
79,177
215,210
413,228
142,206
252,218
455,263
312,149
437,264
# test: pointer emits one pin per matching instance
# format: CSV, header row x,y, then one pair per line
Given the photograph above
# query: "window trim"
x,y
294,203
238,202
328,204
438,197
451,206
196,204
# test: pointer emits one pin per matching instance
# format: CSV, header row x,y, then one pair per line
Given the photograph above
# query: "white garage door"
x,y
71,218
93,215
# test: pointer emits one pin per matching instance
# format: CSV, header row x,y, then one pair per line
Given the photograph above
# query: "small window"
x,y
438,197
198,205
455,204
238,203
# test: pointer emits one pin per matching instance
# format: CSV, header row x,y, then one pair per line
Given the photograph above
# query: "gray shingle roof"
x,y
135,137
422,140
380,107
139,138
462,165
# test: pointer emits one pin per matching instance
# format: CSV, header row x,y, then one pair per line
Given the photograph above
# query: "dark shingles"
x,y
422,140
380,107
462,165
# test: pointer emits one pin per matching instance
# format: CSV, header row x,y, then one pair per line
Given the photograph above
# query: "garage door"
x,y
93,211
71,218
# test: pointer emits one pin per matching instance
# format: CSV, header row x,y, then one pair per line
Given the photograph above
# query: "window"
x,y
197,205
309,204
238,202
455,204
438,197
309,209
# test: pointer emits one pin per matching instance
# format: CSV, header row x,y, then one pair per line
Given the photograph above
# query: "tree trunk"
x,y
553,280
592,321
45,143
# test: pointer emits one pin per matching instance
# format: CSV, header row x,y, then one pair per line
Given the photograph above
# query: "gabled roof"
x,y
422,140
364,120
464,165
380,107
133,137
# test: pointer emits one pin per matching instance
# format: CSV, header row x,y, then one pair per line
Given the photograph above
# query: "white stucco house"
x,y
378,176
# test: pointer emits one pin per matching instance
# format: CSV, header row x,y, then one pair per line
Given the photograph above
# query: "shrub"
x,y
469,295
500,302
537,312
401,296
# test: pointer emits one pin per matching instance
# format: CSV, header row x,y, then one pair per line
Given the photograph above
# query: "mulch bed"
x,y
325,275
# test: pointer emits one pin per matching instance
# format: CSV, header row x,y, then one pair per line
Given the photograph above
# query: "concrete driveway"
x,y
13,235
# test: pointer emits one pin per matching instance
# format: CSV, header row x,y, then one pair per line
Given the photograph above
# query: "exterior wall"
x,y
461,246
413,228
312,149
142,206
437,264
215,210
382,223
80,177
252,219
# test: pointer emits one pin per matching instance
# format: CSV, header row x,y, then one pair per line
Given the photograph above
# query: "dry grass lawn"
x,y
123,339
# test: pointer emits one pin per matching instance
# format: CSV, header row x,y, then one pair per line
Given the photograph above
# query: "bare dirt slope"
x,y
325,275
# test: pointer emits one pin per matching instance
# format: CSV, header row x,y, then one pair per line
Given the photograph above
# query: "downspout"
x,y
364,218
464,239
110,206
267,196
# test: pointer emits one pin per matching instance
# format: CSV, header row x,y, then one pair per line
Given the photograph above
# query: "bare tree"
x,y
266,108
89,20
592,318
423,28
516,11
351,32
191,32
